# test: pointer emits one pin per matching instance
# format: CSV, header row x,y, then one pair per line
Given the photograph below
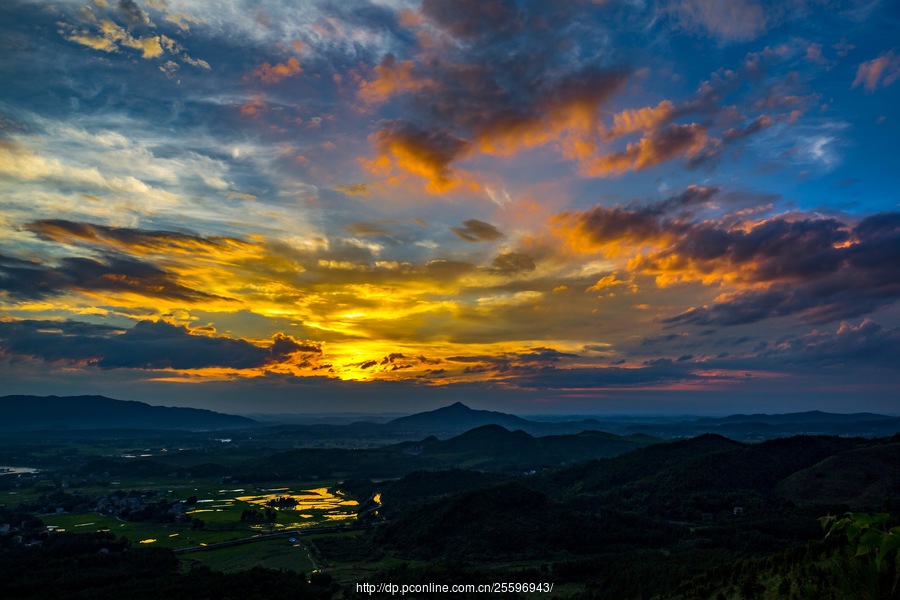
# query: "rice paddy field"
x,y
220,511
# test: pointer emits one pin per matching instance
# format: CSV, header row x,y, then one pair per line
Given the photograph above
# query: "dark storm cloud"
x,y
474,230
147,345
111,275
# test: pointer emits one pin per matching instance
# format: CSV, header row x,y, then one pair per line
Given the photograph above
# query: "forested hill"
x,y
655,497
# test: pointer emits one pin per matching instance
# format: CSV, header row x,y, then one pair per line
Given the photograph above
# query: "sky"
x,y
618,206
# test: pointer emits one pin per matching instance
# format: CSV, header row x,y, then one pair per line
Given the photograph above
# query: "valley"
x,y
598,514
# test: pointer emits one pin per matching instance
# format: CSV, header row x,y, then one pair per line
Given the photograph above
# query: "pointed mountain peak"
x,y
457,406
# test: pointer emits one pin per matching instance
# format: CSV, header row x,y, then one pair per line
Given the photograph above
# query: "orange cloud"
x,y
392,78
642,119
605,282
422,153
253,108
660,146
567,114
274,73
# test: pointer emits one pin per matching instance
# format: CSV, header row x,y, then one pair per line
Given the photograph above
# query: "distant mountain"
x,y
494,448
758,427
30,413
812,416
458,418
455,418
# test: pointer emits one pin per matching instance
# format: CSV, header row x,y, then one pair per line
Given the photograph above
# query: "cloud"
x,y
868,343
272,74
497,84
392,77
133,13
353,189
107,35
731,21
284,345
565,112
111,36
369,228
146,345
641,119
878,72
820,269
133,241
660,146
511,365
427,154
510,263
111,275
585,378
617,229
474,230
474,19
473,83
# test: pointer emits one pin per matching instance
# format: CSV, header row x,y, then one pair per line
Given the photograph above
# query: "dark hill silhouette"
x,y
812,416
420,486
506,519
99,412
641,497
857,478
454,418
492,447
757,427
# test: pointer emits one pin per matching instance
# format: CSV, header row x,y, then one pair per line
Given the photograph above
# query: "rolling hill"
x,y
32,413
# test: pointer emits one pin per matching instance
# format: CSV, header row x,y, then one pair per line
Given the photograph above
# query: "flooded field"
x,y
305,508
220,511
16,470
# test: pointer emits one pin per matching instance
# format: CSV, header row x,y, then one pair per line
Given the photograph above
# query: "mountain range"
x,y
73,413
30,413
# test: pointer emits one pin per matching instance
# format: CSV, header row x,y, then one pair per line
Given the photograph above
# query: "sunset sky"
x,y
619,206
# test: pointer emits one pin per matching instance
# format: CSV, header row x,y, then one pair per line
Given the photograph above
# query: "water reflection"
x,y
305,504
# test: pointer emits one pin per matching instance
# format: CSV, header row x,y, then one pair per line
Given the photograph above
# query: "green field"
x,y
273,554
169,535
220,510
